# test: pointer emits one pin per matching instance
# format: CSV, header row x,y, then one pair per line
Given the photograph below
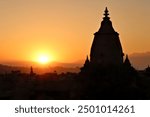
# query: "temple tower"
x,y
106,48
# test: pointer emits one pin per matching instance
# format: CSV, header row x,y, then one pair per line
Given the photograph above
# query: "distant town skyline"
x,y
62,30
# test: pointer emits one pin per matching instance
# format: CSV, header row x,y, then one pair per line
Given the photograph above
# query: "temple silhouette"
x,y
110,74
106,51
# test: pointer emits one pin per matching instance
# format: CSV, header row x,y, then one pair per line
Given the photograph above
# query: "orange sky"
x,y
63,29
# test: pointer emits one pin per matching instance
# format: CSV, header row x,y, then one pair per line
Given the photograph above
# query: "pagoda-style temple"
x,y
106,49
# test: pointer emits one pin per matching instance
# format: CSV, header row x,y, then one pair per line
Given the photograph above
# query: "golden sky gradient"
x,y
63,29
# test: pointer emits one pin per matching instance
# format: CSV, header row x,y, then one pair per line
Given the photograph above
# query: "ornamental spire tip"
x,y
106,14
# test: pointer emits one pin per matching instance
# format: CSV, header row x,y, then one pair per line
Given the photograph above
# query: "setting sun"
x,y
43,59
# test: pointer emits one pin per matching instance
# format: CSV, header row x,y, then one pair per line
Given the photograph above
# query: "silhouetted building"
x,y
106,49
127,62
86,65
147,69
32,72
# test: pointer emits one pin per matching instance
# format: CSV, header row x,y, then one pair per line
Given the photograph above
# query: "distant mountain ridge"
x,y
39,70
138,60
9,69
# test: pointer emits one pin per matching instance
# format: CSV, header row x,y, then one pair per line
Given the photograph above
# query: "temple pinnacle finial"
x,y
106,13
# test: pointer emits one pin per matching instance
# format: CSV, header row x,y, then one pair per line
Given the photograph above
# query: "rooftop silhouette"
x,y
106,48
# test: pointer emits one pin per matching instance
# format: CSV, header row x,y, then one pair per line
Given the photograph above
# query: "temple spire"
x,y
87,60
106,13
31,72
127,62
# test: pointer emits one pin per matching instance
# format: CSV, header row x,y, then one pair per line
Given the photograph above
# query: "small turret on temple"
x,y
86,65
127,62
147,70
87,61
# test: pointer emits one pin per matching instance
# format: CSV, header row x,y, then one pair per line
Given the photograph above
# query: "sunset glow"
x,y
43,59
65,28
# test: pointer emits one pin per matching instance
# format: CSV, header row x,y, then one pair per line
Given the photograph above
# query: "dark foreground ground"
x,y
111,84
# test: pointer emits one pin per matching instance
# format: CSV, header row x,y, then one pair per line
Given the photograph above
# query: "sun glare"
x,y
43,59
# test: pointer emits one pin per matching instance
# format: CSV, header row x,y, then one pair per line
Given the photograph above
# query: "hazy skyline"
x,y
63,29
